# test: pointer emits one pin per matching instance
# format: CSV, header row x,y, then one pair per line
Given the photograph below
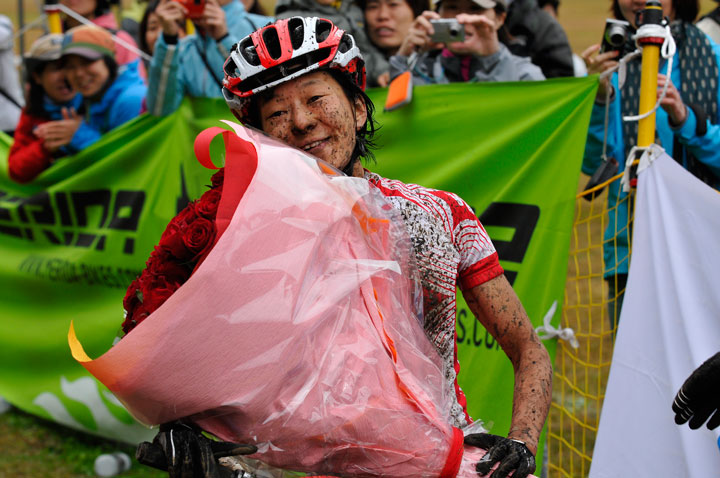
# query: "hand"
x,y
699,396
600,63
418,36
510,455
672,103
384,79
184,452
213,20
56,134
481,37
171,15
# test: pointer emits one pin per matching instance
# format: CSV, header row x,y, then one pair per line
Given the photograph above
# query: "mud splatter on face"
x,y
313,113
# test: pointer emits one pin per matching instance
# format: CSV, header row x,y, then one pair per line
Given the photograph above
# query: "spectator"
x,y
531,32
11,98
480,57
194,65
710,24
387,23
551,6
151,27
112,94
98,12
348,16
686,124
49,126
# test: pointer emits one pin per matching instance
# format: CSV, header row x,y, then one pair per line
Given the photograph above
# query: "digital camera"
x,y
194,7
447,30
616,37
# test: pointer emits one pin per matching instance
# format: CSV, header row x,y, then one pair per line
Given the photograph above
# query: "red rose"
x,y
199,237
159,293
208,204
172,239
218,178
132,300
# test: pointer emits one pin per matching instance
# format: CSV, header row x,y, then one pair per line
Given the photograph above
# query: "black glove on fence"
x,y
184,452
699,396
511,454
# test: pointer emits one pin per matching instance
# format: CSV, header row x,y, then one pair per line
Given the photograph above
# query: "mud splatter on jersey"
x,y
452,249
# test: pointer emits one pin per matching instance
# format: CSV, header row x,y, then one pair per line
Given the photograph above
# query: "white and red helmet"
x,y
285,50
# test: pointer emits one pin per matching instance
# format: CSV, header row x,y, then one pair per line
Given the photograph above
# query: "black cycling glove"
x,y
699,396
184,452
512,455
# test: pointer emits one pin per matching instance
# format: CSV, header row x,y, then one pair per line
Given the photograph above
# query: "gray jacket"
x,y
441,66
347,16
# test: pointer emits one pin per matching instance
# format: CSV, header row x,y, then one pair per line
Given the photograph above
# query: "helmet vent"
x,y
279,72
297,32
345,44
272,42
322,30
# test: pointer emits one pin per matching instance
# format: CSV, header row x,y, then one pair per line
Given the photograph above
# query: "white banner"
x,y
669,325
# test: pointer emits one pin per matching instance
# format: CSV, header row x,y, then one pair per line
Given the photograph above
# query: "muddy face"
x,y
313,113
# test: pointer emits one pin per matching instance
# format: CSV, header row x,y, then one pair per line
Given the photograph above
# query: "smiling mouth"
x,y
314,144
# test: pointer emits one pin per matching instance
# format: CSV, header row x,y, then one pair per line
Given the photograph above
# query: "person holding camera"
x,y
466,49
687,122
194,65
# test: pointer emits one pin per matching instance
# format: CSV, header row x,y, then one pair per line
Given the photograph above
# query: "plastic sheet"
x,y
300,332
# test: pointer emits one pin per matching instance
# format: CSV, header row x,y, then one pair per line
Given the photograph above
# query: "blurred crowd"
x,y
109,67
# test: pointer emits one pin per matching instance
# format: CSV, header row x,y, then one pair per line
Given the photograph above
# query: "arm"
x,y
504,66
165,88
127,106
498,308
27,157
689,129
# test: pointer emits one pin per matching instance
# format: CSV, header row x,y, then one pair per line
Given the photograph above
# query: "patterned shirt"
x,y
452,249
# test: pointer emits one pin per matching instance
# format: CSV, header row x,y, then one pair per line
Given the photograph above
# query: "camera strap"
x,y
207,65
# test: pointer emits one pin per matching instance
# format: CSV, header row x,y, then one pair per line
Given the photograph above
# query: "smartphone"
x,y
447,30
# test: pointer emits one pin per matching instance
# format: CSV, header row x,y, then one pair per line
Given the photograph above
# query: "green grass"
x,y
32,447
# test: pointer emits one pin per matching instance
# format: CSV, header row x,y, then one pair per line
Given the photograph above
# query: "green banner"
x,y
73,239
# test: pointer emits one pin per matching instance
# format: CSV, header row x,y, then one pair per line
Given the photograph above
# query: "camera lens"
x,y
615,35
454,31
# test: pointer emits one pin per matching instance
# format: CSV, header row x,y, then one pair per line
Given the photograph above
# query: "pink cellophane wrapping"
x,y
298,333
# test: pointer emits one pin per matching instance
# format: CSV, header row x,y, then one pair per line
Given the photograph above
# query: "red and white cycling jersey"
x,y
452,249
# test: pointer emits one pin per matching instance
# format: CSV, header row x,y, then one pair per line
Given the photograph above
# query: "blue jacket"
x,y
706,149
84,135
120,103
178,70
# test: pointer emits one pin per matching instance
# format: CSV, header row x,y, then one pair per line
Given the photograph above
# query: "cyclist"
x,y
302,80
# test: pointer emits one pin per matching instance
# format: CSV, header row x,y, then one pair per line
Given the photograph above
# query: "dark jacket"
x,y
536,34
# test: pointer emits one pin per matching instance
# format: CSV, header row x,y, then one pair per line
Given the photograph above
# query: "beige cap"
x,y
46,48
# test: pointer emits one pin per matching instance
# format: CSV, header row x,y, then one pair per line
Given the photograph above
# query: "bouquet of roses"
x,y
290,320
186,241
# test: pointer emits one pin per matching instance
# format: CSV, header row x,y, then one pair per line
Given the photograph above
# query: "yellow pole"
x,y
652,15
648,94
53,18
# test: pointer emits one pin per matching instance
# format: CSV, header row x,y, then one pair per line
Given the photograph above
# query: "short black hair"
x,y
417,6
364,137
685,10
